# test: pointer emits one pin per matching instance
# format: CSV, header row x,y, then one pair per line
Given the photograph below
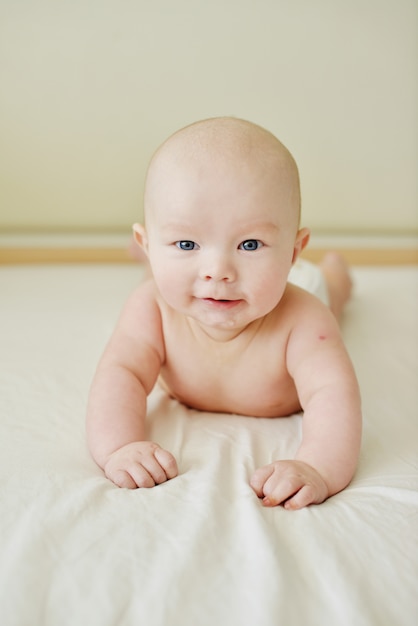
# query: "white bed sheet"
x,y
199,550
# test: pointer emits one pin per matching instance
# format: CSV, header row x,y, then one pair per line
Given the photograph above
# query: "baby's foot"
x,y
338,279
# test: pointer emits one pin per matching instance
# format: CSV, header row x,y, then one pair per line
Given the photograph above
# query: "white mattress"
x,y
199,550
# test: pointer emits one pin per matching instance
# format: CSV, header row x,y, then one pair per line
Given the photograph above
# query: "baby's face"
x,y
221,236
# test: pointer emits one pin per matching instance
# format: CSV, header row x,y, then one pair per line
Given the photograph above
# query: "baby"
x,y
219,324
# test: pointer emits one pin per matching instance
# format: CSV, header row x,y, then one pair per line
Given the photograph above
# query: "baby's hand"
x,y
140,464
294,484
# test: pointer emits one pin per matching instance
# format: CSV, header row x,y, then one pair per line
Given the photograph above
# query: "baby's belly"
x,y
255,398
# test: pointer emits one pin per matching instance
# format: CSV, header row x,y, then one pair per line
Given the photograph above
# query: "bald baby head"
x,y
223,145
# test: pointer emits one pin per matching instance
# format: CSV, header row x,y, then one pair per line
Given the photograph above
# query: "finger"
x,y
259,478
121,479
154,469
305,496
167,462
279,489
141,476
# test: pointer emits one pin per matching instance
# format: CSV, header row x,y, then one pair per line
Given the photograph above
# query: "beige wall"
x,y
90,87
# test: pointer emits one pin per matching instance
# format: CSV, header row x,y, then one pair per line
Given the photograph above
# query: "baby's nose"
x,y
218,268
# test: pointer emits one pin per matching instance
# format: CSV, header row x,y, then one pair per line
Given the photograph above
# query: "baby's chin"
x,y
224,329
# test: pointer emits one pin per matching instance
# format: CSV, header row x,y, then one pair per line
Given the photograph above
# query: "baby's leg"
x,y
337,277
329,281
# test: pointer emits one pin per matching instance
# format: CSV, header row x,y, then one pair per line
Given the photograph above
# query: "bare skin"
x,y
222,209
333,265
339,282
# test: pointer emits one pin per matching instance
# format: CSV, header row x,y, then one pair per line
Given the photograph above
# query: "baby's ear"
x,y
140,236
301,241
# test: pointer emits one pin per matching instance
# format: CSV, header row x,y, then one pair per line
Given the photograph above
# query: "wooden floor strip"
x,y
369,256
35,255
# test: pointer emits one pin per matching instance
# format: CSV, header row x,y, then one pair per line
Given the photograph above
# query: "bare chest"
x,y
247,378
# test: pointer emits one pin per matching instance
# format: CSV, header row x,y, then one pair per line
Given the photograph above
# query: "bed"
x,y
199,550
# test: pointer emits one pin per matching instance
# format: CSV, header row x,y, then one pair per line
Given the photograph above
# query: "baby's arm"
x,y
329,395
117,403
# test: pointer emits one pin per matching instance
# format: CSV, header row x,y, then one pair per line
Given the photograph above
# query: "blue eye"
x,y
250,245
185,244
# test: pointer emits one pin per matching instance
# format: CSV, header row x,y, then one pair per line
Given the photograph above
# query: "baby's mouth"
x,y
221,302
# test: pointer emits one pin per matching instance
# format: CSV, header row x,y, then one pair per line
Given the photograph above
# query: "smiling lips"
x,y
221,304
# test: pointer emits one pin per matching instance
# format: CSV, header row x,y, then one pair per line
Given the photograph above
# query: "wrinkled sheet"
x,y
199,550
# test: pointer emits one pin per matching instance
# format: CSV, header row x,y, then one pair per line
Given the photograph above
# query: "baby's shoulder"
x,y
145,293
299,299
141,310
299,307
